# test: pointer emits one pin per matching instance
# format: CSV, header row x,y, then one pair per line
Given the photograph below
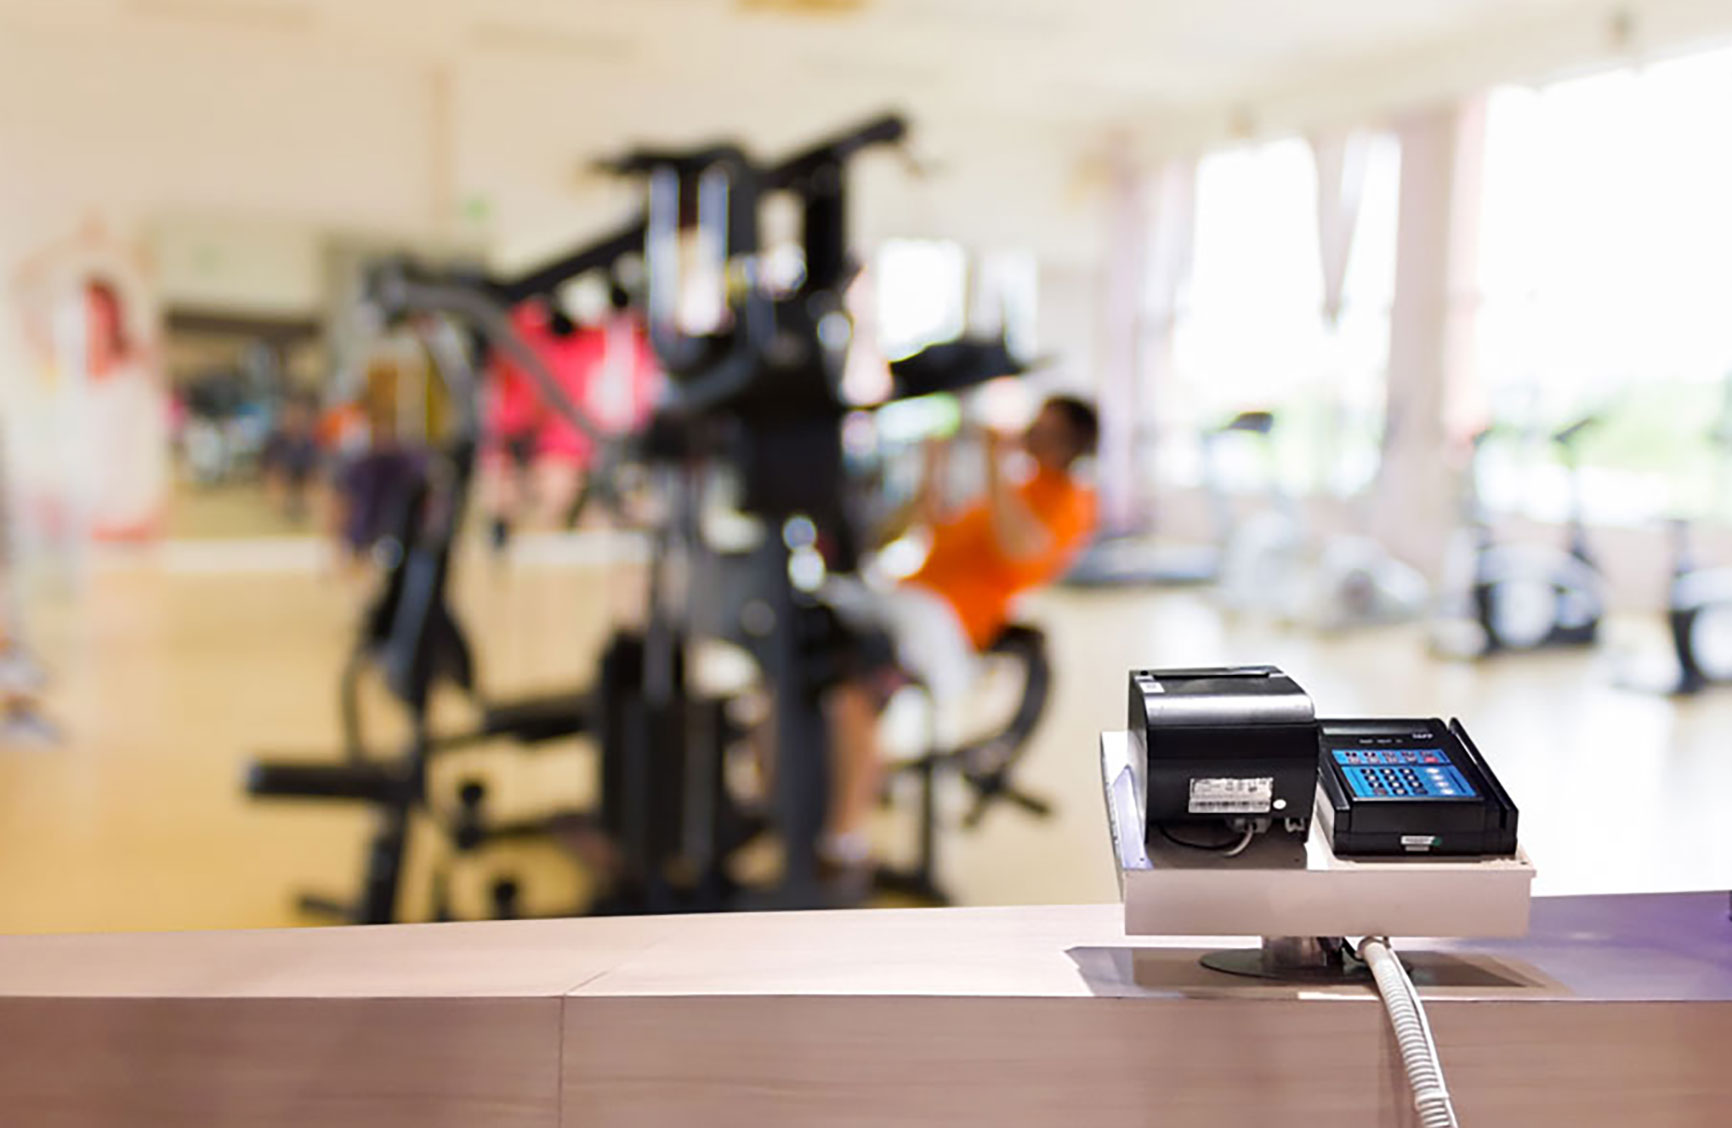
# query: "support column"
x,y
1122,339
1430,328
1149,240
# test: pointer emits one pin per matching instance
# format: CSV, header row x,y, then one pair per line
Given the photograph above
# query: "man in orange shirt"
x,y
1020,535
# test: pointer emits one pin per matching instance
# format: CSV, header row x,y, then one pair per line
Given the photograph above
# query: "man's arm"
x,y
926,507
1019,533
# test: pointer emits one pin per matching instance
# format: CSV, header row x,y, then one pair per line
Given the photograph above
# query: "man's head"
x,y
1065,429
300,413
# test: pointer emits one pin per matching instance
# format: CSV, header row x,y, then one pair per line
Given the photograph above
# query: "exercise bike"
x,y
1523,597
1698,617
1272,566
1138,559
1263,553
1698,598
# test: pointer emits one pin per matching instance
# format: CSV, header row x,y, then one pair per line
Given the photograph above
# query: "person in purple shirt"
x,y
372,487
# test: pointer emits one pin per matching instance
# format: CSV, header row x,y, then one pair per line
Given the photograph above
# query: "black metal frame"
x,y
1684,608
987,766
410,634
760,394
1682,615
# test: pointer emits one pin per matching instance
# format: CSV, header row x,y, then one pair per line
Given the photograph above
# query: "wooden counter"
x,y
1617,1010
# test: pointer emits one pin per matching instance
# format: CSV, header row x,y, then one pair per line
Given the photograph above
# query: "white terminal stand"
x,y
1271,891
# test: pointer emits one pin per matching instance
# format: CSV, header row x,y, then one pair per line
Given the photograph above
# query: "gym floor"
x,y
171,670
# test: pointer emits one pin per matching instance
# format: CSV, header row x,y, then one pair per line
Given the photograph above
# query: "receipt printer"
x,y
1234,746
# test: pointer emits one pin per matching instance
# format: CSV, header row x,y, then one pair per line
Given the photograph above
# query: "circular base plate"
x,y
1255,963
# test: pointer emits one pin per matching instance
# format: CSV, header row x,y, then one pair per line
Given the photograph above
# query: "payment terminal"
x,y
1410,787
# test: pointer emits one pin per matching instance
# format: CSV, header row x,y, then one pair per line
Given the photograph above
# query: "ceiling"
x,y
1169,70
363,112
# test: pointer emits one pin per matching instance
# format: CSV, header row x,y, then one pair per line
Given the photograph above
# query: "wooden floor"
x,y
172,670
239,509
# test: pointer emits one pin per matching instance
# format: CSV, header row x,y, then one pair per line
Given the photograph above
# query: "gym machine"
x,y
1274,566
412,638
1138,560
1523,597
1698,597
756,395
1698,610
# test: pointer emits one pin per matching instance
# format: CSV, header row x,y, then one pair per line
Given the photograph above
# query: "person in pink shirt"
x,y
535,459
532,461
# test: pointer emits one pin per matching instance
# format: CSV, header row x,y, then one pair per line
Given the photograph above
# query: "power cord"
x,y
1412,1033
1229,849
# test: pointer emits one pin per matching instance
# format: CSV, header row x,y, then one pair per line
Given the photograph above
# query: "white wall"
x,y
1068,324
180,124
525,130
229,159
255,148
238,265
232,147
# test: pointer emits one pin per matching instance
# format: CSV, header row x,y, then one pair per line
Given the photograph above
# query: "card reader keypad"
x,y
1402,773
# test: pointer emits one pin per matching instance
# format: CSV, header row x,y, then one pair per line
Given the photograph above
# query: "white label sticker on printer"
x,y
1232,796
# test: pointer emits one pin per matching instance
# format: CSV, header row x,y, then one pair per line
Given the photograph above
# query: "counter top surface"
x,y
1638,947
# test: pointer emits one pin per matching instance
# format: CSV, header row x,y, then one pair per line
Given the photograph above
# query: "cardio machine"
x,y
1698,617
1524,597
1139,560
1699,598
1344,580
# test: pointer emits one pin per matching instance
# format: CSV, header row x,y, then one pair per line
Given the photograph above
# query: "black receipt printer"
x,y
1231,744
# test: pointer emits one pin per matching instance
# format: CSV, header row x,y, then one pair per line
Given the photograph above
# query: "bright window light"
x,y
1605,277
1250,331
922,294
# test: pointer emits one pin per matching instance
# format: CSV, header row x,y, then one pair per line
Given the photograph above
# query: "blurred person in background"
x,y
128,422
380,471
22,680
621,385
1020,535
535,461
563,453
292,456
627,380
513,418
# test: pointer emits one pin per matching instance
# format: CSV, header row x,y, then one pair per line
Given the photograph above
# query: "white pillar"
x,y
1151,221
1430,328
1122,340
1172,238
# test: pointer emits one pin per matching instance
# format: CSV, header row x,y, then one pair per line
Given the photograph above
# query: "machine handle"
x,y
276,779
1571,433
1254,422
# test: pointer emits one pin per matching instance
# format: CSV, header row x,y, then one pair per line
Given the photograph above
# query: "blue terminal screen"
x,y
1402,773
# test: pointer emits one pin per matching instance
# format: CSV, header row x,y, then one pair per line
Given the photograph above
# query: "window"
x,y
921,295
1250,330
1605,277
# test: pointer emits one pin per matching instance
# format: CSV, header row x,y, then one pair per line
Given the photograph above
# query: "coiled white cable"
x,y
1412,1033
